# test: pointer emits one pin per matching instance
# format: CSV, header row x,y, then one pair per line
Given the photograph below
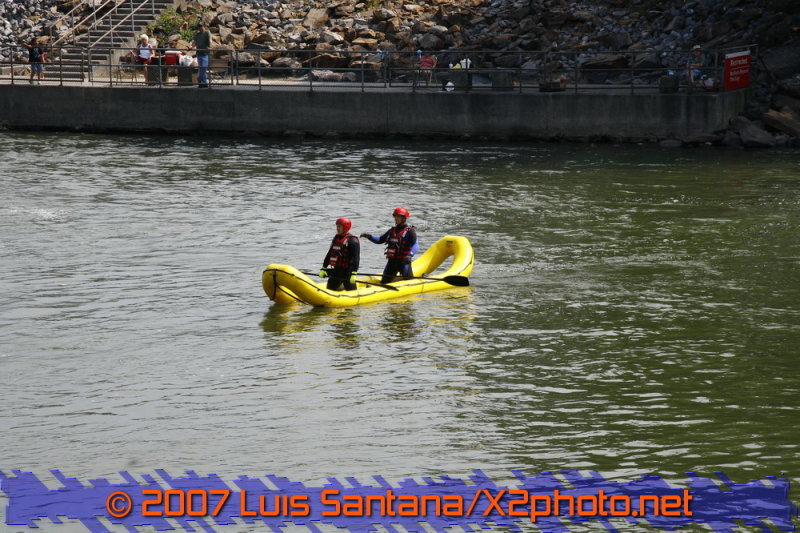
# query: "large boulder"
x,y
507,60
786,6
790,87
344,10
286,66
555,18
754,137
605,62
617,40
330,37
731,138
600,68
647,61
366,43
367,70
328,61
330,76
393,25
431,41
246,58
583,15
261,38
382,14
223,19
779,101
783,62
785,121
316,18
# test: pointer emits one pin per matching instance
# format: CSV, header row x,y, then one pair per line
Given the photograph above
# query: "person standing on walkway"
x,y
36,60
202,43
401,241
340,265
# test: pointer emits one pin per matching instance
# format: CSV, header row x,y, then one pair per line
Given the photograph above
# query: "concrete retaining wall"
x,y
493,114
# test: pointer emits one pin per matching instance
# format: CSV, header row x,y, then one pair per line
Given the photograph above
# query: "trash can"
x,y
156,72
502,80
461,78
552,86
668,84
187,75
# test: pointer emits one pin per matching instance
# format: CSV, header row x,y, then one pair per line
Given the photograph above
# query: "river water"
x,y
632,310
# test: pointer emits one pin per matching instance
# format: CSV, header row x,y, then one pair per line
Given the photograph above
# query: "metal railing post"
x,y
633,60
576,74
12,50
110,74
384,64
362,73
61,66
414,74
311,74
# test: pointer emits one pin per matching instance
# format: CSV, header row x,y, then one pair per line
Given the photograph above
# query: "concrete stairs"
x,y
112,36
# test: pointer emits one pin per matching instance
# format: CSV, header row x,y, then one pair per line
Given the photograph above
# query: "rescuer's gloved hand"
x,y
407,260
323,273
366,236
353,278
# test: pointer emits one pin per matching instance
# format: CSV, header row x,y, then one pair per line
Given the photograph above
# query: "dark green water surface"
x,y
632,310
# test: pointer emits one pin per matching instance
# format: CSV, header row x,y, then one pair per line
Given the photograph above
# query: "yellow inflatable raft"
x,y
284,283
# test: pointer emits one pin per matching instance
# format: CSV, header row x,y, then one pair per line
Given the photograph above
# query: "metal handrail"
x,y
129,15
93,14
400,69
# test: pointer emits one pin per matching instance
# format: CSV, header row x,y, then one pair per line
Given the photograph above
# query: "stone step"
x,y
124,36
65,67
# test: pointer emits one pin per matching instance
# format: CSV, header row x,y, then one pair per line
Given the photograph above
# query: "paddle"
x,y
458,281
357,281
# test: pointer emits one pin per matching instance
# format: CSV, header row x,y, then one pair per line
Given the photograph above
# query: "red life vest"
x,y
340,251
396,246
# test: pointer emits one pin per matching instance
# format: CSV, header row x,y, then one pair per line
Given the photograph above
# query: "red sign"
x,y
737,70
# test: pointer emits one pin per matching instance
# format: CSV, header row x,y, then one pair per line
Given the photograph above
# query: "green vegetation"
x,y
172,22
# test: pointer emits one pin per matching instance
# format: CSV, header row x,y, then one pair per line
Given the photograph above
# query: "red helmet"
x,y
401,211
346,222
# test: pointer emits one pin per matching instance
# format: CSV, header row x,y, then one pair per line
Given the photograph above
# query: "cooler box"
x,y
171,57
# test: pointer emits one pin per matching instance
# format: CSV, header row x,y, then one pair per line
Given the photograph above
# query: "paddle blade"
x,y
458,281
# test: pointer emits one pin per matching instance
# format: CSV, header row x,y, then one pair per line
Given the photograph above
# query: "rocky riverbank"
x,y
20,21
514,32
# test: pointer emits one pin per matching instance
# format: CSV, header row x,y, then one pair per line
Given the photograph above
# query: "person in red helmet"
x,y
401,245
341,262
